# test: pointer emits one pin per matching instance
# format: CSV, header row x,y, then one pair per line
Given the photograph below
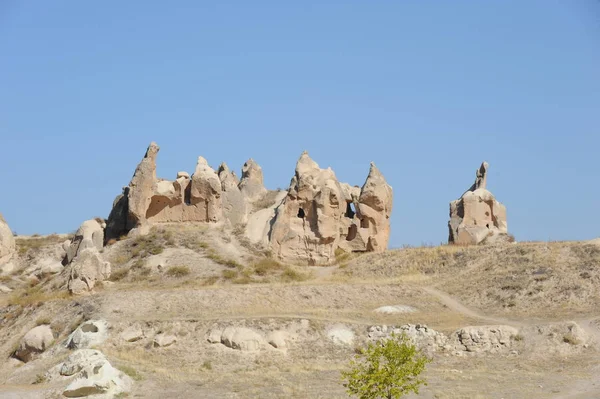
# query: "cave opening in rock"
x,y
364,223
301,213
350,210
352,230
187,195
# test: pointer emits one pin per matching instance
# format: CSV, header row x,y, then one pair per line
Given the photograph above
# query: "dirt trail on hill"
x,y
455,305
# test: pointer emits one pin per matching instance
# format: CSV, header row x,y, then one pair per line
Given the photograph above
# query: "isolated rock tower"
x,y
476,216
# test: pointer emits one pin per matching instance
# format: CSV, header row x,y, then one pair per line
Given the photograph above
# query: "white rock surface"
x,y
341,335
93,376
90,333
391,309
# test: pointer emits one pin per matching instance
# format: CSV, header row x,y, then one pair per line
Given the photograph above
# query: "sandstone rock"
x,y
341,335
375,208
477,216
214,336
422,336
320,215
278,339
141,188
206,192
259,223
91,374
37,340
235,207
7,242
4,289
50,266
161,340
242,338
89,235
86,270
90,333
184,175
132,334
7,268
116,224
252,183
485,338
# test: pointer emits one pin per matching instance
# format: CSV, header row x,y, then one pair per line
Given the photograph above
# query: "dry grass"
x,y
35,243
215,257
266,266
178,271
267,201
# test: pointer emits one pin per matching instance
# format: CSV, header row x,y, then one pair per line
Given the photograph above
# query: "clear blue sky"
x,y
425,89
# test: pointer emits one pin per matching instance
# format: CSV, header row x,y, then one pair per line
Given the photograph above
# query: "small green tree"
x,y
386,369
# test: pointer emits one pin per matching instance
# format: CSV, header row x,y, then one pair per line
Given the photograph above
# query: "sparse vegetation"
x,y
215,257
266,266
40,379
207,365
571,339
290,275
178,271
43,321
267,201
119,274
229,274
131,372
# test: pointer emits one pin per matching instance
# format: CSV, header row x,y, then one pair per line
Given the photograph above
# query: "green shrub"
x,y
386,369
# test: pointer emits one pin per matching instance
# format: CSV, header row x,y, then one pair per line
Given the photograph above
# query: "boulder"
x,y
278,339
132,334
341,335
89,235
235,207
37,340
392,309
7,242
252,183
161,340
87,269
242,338
91,374
88,334
477,216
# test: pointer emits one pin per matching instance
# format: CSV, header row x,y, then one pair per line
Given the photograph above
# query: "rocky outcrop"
x,y
88,334
240,338
7,242
252,183
204,197
235,206
86,270
490,339
307,224
37,340
320,215
89,235
90,374
477,216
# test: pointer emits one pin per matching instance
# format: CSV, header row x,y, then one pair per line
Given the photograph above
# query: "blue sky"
x,y
425,89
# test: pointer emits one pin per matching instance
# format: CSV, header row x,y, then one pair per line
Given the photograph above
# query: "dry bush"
x,y
43,321
215,257
290,275
267,201
178,271
119,274
229,274
266,266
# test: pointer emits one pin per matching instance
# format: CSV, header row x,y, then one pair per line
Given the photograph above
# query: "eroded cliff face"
x,y
477,216
7,242
318,215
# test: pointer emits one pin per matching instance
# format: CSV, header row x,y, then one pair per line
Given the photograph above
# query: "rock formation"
x,y
7,242
320,215
86,270
317,215
89,235
252,184
477,216
204,197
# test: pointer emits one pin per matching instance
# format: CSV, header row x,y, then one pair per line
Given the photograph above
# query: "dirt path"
x,y
460,308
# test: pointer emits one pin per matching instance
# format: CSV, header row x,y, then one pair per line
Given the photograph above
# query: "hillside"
x,y
505,320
